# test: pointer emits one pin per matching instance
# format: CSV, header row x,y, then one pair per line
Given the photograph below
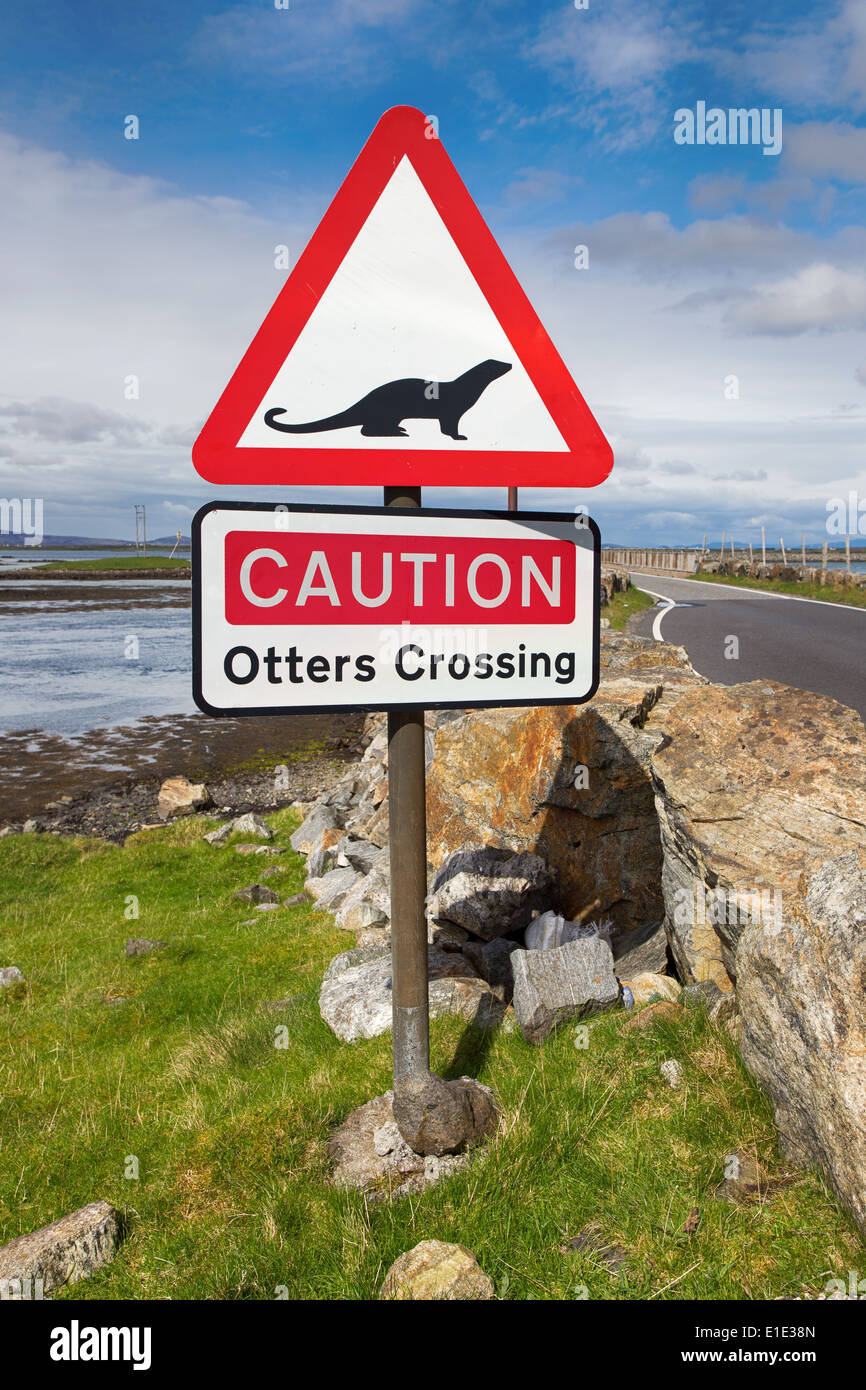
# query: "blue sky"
x,y
155,257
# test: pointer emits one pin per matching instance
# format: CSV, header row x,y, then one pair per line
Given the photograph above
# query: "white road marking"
x,y
757,593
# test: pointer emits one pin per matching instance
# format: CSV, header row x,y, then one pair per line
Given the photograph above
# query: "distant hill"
x,y
18,542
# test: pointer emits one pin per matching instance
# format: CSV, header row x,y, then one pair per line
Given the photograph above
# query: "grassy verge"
x,y
171,1059
125,562
624,605
853,597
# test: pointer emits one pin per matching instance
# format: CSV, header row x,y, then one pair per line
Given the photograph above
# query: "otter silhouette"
x,y
381,413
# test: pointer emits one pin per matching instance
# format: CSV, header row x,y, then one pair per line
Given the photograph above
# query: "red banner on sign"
x,y
315,579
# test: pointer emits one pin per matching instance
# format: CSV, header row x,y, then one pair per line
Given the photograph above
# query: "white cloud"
x,y
820,298
650,244
343,41
827,150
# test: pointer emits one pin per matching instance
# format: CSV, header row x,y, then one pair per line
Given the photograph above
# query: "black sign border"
x,y
411,515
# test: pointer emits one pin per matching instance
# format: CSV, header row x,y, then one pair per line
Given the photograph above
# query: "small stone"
x,y
251,824
32,826
647,987
298,900
180,797
10,975
672,1073
591,1240
745,1179
257,893
63,1252
663,1009
435,1270
141,946
362,855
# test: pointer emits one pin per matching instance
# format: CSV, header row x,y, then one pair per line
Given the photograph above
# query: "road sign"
x,y
401,349
299,608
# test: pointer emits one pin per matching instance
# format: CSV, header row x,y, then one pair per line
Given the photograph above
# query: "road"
x,y
802,642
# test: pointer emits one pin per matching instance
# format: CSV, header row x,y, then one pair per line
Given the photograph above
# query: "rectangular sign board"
x,y
299,609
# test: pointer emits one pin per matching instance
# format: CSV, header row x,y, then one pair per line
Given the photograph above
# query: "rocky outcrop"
x,y
760,791
62,1253
801,987
756,785
569,783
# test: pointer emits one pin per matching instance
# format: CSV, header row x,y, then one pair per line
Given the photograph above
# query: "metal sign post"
x,y
407,819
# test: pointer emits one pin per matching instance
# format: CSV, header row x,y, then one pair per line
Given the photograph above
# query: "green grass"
x,y
171,1058
623,605
829,593
117,562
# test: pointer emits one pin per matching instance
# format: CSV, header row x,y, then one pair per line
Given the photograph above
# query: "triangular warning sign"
x,y
402,349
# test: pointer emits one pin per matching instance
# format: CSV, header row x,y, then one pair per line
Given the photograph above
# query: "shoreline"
x,y
106,782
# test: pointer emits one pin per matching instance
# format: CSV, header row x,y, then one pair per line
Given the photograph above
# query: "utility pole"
x,y
141,528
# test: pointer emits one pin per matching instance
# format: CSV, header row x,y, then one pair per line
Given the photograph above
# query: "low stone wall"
x,y
811,574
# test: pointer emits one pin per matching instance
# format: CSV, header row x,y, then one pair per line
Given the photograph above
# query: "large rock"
x,y
439,1117
368,901
756,785
310,833
489,891
492,960
761,801
248,824
356,1003
435,1270
369,1153
62,1253
180,797
567,982
646,948
332,889
801,988
512,778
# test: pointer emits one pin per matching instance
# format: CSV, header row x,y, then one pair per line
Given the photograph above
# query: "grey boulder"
x,y
62,1253
356,1001
439,1117
489,891
331,890
551,987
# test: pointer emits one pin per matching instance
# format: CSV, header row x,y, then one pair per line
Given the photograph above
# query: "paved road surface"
x,y
801,642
